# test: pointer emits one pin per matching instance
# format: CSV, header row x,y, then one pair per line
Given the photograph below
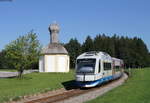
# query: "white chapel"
x,y
54,57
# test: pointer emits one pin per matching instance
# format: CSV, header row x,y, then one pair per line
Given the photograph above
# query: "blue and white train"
x,y
94,68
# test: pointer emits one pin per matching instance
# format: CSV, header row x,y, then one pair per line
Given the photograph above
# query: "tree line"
x,y
133,51
24,52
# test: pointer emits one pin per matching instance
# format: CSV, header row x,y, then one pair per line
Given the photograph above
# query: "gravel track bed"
x,y
98,92
29,98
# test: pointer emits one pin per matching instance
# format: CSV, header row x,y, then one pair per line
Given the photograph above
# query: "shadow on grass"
x,y
68,85
12,77
17,78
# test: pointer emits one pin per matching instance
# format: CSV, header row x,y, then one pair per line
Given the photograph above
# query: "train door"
x,y
99,70
113,67
105,72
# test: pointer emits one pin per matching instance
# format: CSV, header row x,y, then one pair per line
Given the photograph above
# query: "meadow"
x,y
14,88
135,90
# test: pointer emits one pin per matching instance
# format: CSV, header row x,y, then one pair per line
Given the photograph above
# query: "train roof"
x,y
116,59
94,54
113,58
117,62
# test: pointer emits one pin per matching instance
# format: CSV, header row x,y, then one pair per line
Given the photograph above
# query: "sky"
x,y
77,19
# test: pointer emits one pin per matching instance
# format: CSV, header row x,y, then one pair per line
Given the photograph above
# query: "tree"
x,y
3,61
24,52
97,43
104,43
88,45
149,60
74,49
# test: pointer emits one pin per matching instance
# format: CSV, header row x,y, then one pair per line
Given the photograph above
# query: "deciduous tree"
x,y
23,52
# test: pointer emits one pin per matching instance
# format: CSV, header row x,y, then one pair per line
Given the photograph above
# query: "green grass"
x,y
32,83
135,90
8,70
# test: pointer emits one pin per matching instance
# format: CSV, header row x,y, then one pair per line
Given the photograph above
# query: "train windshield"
x,y
86,65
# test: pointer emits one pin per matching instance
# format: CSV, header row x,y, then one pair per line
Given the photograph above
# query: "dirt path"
x,y
4,74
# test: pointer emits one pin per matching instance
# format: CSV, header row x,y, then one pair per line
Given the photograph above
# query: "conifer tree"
x,y
74,49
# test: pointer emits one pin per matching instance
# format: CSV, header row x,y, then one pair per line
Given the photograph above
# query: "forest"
x,y
133,51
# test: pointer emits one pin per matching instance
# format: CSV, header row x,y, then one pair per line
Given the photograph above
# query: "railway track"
x,y
68,94
58,97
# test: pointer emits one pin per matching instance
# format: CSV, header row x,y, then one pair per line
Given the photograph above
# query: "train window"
x,y
99,69
86,65
117,68
107,66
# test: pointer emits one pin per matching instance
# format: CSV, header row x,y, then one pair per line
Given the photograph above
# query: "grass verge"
x,y
135,90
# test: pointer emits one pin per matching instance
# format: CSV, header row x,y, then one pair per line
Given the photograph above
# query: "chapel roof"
x,y
54,48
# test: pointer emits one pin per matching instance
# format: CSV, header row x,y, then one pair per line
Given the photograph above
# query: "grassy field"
x,y
135,90
32,83
8,70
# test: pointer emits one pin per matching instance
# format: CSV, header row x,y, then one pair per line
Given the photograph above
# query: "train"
x,y
96,67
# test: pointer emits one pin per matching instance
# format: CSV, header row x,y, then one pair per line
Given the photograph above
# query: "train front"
x,y
85,70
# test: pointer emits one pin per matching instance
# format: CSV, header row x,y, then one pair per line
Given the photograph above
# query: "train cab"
x,y
93,66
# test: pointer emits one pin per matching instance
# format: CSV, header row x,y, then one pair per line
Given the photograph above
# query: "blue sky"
x,y
77,18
